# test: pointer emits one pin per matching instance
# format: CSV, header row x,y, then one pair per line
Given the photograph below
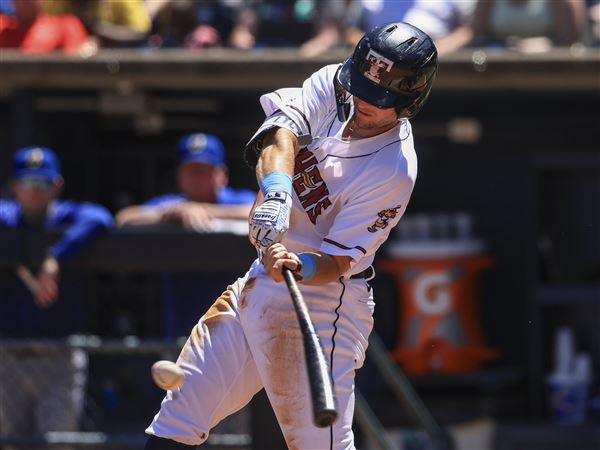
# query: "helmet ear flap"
x,y
341,99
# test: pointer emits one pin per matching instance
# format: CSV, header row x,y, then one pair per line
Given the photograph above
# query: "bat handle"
x,y
288,276
27,278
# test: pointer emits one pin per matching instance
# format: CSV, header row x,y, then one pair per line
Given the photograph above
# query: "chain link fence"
x,y
87,392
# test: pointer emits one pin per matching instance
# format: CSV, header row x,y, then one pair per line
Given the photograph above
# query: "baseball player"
x,y
336,166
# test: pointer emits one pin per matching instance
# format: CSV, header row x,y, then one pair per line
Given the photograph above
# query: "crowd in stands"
x,y
314,26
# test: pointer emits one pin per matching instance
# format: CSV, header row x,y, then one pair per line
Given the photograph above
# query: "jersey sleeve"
x,y
8,214
87,222
300,110
4,23
365,221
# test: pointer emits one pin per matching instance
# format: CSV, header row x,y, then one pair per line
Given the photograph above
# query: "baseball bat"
x,y
27,278
319,377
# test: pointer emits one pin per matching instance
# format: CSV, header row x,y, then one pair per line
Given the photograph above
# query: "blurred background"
x,y
487,292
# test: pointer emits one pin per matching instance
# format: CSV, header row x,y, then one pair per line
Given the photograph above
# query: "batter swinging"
x,y
328,204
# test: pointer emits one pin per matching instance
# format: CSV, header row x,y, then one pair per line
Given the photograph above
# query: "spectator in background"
x,y
272,23
122,22
378,12
32,31
113,23
43,390
448,22
529,25
192,24
204,201
593,13
360,15
337,25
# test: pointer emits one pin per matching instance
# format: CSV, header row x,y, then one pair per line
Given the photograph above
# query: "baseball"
x,y
167,375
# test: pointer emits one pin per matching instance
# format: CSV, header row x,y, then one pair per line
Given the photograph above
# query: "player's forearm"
x,y
274,171
320,268
136,215
89,221
231,212
277,155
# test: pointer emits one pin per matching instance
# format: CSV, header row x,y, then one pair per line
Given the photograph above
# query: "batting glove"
x,y
271,219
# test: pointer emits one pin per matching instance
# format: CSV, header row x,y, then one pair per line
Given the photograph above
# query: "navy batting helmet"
x,y
393,66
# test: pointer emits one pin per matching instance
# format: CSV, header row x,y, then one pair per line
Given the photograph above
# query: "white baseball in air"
x,y
167,375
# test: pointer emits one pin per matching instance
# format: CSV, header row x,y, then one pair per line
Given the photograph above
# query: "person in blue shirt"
x,y
205,203
202,179
6,7
43,390
36,185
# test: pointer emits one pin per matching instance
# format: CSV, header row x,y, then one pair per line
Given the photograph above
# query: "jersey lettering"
x,y
309,185
304,159
314,196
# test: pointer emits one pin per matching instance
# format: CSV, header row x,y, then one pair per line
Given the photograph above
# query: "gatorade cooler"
x,y
438,324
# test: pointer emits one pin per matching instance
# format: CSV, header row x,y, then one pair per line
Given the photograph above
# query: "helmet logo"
x,y
377,63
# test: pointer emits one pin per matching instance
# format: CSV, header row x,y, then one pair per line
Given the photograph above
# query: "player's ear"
x,y
222,176
57,185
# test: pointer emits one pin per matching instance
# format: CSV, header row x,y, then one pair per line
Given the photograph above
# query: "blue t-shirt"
x,y
187,295
6,7
19,316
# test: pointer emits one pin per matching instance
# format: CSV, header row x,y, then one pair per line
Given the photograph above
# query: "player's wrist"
x,y
308,266
282,196
276,182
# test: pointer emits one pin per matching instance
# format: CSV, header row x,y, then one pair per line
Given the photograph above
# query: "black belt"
x,y
367,273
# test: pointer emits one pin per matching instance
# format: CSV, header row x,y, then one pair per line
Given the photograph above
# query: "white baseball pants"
x,y
249,339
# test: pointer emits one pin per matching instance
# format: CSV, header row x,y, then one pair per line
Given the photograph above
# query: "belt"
x,y
367,273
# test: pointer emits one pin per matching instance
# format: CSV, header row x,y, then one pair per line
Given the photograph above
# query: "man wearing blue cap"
x,y
204,203
204,195
41,309
36,184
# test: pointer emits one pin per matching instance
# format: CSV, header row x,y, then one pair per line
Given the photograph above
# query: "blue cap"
x,y
36,162
201,148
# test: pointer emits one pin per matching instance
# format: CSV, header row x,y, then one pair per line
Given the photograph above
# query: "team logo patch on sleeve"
x,y
384,218
309,185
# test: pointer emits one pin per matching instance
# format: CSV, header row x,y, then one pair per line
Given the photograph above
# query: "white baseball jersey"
x,y
348,194
347,197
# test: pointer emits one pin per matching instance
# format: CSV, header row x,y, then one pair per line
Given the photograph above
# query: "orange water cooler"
x,y
437,286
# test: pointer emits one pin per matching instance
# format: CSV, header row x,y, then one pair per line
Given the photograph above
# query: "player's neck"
x,y
353,131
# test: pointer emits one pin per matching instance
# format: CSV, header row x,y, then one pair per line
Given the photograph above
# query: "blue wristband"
x,y
276,181
309,266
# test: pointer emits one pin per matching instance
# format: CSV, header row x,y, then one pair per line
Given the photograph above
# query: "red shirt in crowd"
x,y
45,34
